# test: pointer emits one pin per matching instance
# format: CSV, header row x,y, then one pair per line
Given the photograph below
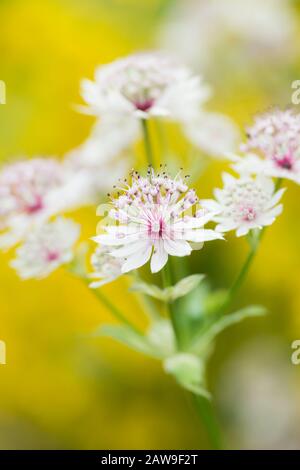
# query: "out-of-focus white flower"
x,y
25,188
245,203
96,162
148,85
214,133
258,391
154,217
32,191
144,85
46,248
23,185
106,267
275,139
237,30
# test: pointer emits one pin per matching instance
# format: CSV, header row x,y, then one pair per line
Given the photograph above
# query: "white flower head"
x,y
46,248
245,203
24,195
154,217
106,267
274,146
143,85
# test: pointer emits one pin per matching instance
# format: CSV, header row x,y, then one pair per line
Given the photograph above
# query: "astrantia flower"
x,y
106,267
46,248
153,218
24,195
274,143
144,85
245,204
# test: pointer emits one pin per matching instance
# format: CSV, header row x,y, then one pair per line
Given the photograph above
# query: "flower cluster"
x,y
106,267
144,85
153,84
152,215
245,204
46,248
155,219
26,192
273,146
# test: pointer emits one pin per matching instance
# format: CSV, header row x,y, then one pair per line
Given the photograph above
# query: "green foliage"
x,y
130,338
189,372
208,334
169,294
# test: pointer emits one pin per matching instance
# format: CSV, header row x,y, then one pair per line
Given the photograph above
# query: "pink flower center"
x,y
52,256
36,206
144,105
286,162
156,228
248,214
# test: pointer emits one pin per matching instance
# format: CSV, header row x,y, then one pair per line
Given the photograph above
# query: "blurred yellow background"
x,y
61,389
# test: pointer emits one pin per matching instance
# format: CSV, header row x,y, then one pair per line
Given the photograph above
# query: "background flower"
x,y
245,203
143,85
275,137
252,30
46,248
106,267
25,187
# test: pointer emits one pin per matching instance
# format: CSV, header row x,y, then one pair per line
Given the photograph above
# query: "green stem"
x,y
167,282
147,142
146,302
243,272
111,307
206,412
162,139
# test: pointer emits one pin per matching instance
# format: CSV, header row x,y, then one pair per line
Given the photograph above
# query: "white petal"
x,y
106,239
242,230
228,179
202,235
177,247
226,226
193,222
197,246
137,260
269,217
159,257
266,182
96,284
218,193
211,205
276,198
129,249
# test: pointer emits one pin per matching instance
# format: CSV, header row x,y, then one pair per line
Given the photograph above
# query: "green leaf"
x,y
189,371
130,338
202,342
215,300
186,285
148,289
182,288
161,337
